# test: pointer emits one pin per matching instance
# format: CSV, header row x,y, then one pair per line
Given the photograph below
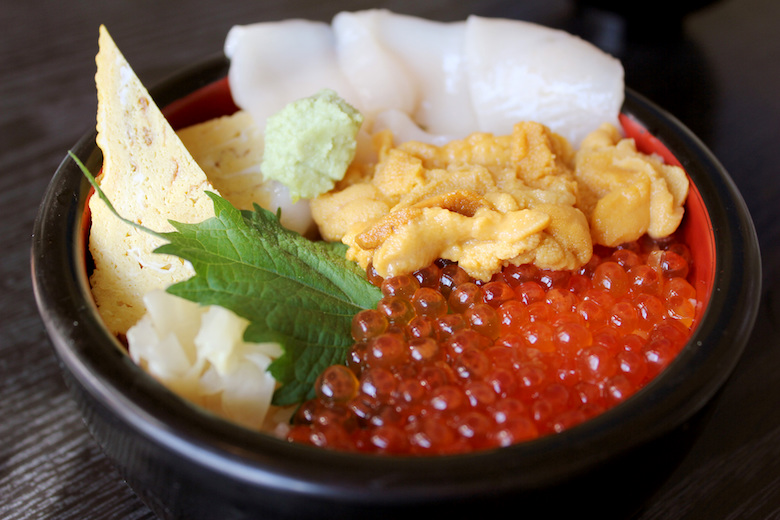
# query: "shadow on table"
x,y
660,61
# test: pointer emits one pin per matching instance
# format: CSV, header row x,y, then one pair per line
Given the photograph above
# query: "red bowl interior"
x,y
213,100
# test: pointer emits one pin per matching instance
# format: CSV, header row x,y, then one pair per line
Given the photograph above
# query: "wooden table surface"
x,y
718,70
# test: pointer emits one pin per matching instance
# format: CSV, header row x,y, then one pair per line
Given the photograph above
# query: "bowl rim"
x,y
86,351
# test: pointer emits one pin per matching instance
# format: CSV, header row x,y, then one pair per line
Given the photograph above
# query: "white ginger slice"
x,y
199,353
150,177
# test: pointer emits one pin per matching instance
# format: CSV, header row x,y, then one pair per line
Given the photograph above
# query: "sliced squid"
x,y
520,71
409,64
446,79
275,63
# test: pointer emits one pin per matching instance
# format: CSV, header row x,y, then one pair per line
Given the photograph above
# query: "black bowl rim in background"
x,y
137,409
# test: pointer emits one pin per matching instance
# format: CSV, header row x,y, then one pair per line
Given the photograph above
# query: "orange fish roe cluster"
x,y
447,364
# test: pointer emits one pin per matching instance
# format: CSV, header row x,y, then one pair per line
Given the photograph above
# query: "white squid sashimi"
x,y
295,215
404,129
379,78
275,63
449,79
407,64
520,71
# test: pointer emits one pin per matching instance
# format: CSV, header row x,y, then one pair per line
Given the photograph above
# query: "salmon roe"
x,y
448,364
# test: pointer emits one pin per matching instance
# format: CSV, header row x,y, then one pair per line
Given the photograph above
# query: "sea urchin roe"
x,y
466,365
489,201
624,192
484,201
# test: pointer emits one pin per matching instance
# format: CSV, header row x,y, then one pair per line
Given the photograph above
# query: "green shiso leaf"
x,y
294,291
299,293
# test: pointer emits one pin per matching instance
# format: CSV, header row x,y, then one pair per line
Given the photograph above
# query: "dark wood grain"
x,y
717,70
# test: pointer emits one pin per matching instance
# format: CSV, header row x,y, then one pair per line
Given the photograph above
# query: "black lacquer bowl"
x,y
185,463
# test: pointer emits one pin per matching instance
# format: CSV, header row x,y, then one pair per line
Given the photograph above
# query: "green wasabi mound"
x,y
310,143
